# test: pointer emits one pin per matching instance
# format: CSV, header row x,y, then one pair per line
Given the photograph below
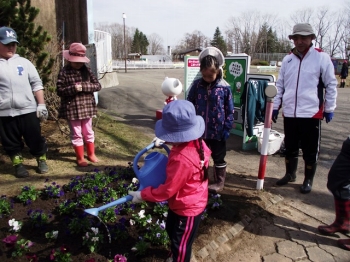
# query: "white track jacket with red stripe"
x,y
306,87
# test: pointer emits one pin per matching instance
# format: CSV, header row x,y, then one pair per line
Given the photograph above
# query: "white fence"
x,y
120,65
262,69
103,43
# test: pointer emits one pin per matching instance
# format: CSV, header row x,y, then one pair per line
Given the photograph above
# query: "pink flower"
x,y
10,241
120,258
52,254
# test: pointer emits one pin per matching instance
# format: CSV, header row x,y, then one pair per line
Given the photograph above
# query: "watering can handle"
x,y
137,157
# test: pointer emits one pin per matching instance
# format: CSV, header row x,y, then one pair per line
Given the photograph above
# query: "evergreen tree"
x,y
20,15
139,43
219,42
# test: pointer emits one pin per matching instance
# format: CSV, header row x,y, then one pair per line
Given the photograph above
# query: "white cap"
x,y
213,51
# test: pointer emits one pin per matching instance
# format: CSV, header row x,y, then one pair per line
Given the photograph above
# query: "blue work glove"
x,y
225,135
328,116
274,115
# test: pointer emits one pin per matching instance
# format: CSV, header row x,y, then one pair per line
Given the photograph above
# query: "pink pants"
x,y
80,131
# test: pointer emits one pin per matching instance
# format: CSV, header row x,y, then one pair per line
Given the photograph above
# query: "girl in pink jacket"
x,y
186,184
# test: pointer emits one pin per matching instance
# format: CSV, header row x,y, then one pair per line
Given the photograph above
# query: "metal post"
x,y
125,55
270,92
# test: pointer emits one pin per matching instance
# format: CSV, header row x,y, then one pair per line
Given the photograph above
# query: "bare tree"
x,y
322,23
155,44
302,16
336,42
243,30
195,40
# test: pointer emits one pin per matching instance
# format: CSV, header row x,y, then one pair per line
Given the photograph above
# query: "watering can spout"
x,y
92,211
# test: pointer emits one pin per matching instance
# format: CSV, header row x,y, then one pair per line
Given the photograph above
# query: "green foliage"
x,y
219,42
28,194
52,235
93,239
118,230
5,206
61,254
22,247
52,191
20,16
8,10
157,234
141,219
38,218
87,198
109,195
79,224
141,247
263,63
139,43
96,180
108,215
67,207
161,208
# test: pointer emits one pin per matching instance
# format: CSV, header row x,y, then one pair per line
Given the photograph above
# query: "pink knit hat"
x,y
76,53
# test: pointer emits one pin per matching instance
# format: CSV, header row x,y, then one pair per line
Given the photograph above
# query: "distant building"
x,y
156,58
180,56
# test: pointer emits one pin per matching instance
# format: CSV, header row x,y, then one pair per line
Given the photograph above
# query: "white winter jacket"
x,y
306,87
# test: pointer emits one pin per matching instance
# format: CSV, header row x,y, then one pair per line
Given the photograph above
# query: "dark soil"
x,y
228,213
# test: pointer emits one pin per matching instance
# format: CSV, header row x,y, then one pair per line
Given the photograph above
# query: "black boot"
x,y
291,169
20,171
342,84
220,175
310,170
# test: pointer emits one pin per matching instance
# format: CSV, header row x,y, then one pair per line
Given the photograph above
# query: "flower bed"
x,y
50,224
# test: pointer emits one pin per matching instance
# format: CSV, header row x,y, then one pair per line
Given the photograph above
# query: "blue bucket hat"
x,y
179,123
7,35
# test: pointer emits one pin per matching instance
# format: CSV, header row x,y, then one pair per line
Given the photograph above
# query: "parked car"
x,y
273,63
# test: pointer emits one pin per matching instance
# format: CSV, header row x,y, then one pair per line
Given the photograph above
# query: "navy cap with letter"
x,y
8,35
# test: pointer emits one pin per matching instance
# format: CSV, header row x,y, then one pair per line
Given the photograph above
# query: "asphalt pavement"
x,y
135,101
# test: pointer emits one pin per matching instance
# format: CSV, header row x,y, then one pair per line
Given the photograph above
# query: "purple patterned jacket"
x,y
214,102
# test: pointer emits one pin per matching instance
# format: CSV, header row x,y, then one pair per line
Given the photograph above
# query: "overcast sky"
x,y
172,19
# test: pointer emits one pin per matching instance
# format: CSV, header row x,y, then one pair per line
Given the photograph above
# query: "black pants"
x,y
218,149
182,232
339,174
12,129
305,132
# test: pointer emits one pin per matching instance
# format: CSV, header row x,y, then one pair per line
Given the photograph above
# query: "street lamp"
x,y
124,16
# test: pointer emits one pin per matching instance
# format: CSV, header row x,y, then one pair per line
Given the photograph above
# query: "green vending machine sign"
x,y
235,73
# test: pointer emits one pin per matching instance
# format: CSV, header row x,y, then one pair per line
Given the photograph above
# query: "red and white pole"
x,y
270,93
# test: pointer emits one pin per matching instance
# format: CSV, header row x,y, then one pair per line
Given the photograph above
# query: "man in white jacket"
x,y
307,92
22,105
